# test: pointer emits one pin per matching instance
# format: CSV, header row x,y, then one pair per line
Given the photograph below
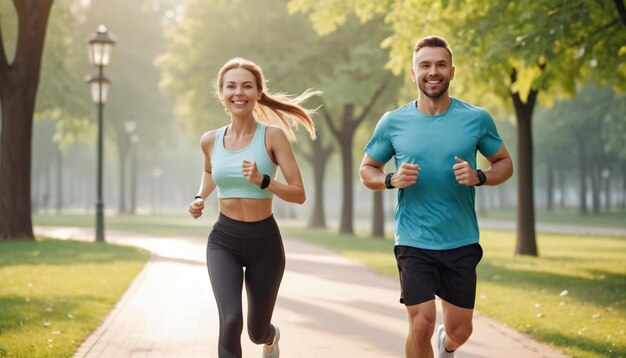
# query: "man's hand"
x,y
464,173
406,175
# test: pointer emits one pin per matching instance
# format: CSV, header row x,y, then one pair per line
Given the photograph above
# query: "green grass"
x,y
152,225
521,292
613,219
55,292
525,292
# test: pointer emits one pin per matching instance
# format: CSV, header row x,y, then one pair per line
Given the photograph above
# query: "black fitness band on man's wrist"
x,y
266,181
482,178
388,184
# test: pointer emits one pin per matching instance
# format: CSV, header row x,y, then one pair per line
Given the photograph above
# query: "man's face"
x,y
432,71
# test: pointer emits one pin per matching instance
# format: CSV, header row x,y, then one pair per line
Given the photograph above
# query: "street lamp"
x,y
100,47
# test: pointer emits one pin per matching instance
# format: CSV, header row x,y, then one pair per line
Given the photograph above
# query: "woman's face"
x,y
239,91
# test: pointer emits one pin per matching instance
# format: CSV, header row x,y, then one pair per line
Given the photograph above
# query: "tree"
x,y
286,64
551,142
353,93
587,121
339,65
318,157
615,142
19,80
519,49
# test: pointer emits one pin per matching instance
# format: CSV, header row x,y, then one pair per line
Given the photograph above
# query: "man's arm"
x,y
500,170
373,175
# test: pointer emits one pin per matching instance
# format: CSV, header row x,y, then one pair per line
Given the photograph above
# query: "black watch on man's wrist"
x,y
482,178
388,181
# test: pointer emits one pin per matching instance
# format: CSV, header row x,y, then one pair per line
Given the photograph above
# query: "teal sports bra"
x,y
226,166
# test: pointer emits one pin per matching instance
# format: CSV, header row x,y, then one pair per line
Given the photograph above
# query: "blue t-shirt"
x,y
435,213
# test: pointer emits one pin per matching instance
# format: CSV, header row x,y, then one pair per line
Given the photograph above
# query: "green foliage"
x,y
334,13
196,52
54,293
551,44
343,65
8,28
614,127
62,89
61,94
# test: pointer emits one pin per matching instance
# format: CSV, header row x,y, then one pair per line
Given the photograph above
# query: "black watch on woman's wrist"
x,y
388,181
265,182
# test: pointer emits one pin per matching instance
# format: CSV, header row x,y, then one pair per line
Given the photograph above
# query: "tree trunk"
x,y
607,193
562,187
550,187
595,189
123,155
621,10
18,90
502,202
47,189
526,238
15,155
481,200
345,143
318,159
582,166
344,137
35,188
378,215
59,169
133,181
624,187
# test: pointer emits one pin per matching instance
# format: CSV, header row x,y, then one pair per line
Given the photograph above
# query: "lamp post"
x,y
100,47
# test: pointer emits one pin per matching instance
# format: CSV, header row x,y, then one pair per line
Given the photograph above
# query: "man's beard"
x,y
434,95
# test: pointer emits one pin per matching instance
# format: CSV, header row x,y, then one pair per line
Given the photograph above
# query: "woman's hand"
x,y
196,207
251,172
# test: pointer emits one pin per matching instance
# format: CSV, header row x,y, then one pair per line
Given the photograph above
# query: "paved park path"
x,y
328,306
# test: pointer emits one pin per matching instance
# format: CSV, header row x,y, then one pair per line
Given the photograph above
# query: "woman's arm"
x,y
207,185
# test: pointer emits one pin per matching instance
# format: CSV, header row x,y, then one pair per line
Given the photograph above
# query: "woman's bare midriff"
x,y
246,209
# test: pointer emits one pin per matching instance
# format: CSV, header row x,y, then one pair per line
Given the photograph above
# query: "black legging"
x,y
258,247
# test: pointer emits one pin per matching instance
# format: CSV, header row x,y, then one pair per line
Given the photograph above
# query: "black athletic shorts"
x,y
449,274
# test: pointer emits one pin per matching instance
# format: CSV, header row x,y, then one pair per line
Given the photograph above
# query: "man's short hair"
x,y
432,41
